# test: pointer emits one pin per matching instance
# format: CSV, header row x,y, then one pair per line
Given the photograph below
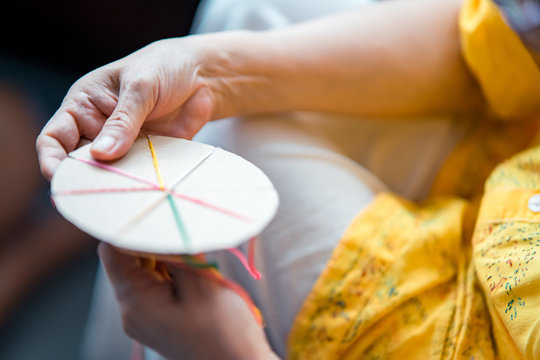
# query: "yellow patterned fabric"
x,y
394,287
443,280
506,255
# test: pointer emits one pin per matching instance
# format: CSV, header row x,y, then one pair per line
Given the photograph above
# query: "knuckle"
x,y
72,102
69,102
139,84
120,120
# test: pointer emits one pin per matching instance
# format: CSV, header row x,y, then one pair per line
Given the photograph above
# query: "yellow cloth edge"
x,y
505,69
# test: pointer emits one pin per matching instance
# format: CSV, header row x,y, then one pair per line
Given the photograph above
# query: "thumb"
x,y
135,102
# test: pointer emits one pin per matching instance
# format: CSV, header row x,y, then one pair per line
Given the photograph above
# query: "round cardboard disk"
x,y
166,196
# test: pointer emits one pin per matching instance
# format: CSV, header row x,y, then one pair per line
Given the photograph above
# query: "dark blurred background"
x,y
47,267
79,36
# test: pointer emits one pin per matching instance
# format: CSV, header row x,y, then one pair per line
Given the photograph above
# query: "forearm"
x,y
389,59
396,58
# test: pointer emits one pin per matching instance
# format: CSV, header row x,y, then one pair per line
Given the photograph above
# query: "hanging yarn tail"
x,y
249,263
137,351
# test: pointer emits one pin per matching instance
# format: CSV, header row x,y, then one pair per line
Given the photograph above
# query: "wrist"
x,y
235,67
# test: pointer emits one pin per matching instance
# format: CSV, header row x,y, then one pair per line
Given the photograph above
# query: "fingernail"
x,y
103,143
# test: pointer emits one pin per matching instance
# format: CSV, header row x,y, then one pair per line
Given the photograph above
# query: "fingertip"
x,y
49,159
105,253
49,168
104,143
107,147
110,254
119,266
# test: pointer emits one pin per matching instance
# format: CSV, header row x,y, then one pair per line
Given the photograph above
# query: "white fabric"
x,y
225,15
405,154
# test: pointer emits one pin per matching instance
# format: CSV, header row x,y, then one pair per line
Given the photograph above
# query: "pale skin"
x,y
390,59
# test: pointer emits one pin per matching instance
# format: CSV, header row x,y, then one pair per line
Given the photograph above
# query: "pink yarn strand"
x,y
211,206
116,171
250,269
154,186
251,254
137,351
104,190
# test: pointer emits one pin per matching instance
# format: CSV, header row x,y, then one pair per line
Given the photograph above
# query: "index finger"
x,y
59,137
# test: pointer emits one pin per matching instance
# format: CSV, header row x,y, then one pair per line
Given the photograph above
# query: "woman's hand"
x,y
160,88
191,317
